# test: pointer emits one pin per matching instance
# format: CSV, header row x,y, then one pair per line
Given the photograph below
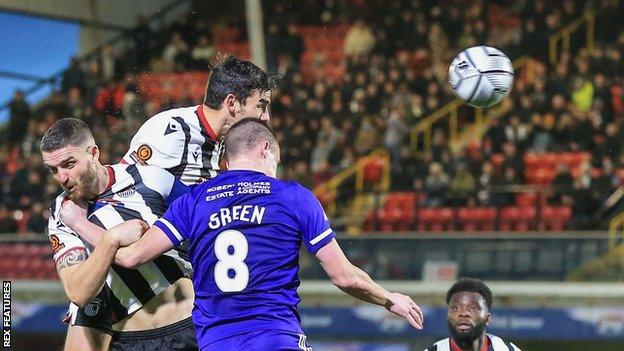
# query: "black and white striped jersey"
x,y
134,192
495,344
179,140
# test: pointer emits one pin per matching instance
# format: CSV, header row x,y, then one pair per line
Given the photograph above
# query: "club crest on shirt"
x,y
144,152
93,307
127,193
55,243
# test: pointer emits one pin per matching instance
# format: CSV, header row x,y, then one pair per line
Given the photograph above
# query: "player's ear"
x,y
94,151
265,149
230,102
488,318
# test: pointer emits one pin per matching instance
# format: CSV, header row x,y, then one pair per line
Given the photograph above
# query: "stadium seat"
x,y
476,218
514,218
373,171
436,219
497,160
555,218
370,222
526,199
539,176
531,160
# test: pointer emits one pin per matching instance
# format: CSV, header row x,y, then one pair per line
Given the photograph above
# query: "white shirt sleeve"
x,y
159,142
62,239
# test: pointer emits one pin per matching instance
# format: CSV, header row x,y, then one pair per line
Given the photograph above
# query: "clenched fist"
x,y
128,232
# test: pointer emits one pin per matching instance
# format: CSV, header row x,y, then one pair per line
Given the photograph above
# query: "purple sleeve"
x,y
175,222
313,223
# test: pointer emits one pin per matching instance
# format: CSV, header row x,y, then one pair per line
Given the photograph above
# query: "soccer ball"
x,y
481,76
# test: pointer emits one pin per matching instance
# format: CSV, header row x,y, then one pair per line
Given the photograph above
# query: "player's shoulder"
x,y
165,122
166,115
146,172
153,177
499,344
292,186
55,205
440,345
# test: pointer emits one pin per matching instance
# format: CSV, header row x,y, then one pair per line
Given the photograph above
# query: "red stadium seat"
x,y
549,159
436,219
476,218
526,199
18,250
370,223
556,218
497,160
540,176
517,218
531,160
373,171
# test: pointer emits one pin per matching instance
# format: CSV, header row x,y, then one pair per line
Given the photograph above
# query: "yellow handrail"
x,y
357,169
616,227
564,34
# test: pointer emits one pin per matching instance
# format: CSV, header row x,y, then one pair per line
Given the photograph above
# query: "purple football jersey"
x,y
244,231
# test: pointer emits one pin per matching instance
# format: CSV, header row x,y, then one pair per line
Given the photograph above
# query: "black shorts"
x,y
179,336
96,314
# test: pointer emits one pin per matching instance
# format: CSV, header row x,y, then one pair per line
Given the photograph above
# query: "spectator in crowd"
x,y
463,185
19,116
203,52
8,225
436,185
37,222
73,77
359,40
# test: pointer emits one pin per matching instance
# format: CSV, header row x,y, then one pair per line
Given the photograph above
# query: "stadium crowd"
x,y
396,57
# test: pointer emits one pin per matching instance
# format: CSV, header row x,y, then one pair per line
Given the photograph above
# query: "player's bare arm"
x,y
83,275
358,284
151,245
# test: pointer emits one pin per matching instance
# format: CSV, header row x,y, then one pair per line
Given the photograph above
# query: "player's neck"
x,y
102,177
245,164
214,118
476,345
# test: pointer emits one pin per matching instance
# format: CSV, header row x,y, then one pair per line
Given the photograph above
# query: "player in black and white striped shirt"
x,y
185,141
469,302
157,294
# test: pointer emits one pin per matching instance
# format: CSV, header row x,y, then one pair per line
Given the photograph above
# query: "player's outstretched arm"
x,y
358,284
151,245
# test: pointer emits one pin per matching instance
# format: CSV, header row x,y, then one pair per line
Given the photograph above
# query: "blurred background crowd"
x,y
357,76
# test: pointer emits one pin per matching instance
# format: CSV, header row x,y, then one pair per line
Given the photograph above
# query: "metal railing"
x,y
330,188
564,34
616,230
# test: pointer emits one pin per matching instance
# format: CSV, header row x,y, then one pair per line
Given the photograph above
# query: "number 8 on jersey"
x,y
234,261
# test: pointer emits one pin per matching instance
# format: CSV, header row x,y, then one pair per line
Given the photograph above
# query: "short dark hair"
x,y
471,285
247,133
230,75
65,132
